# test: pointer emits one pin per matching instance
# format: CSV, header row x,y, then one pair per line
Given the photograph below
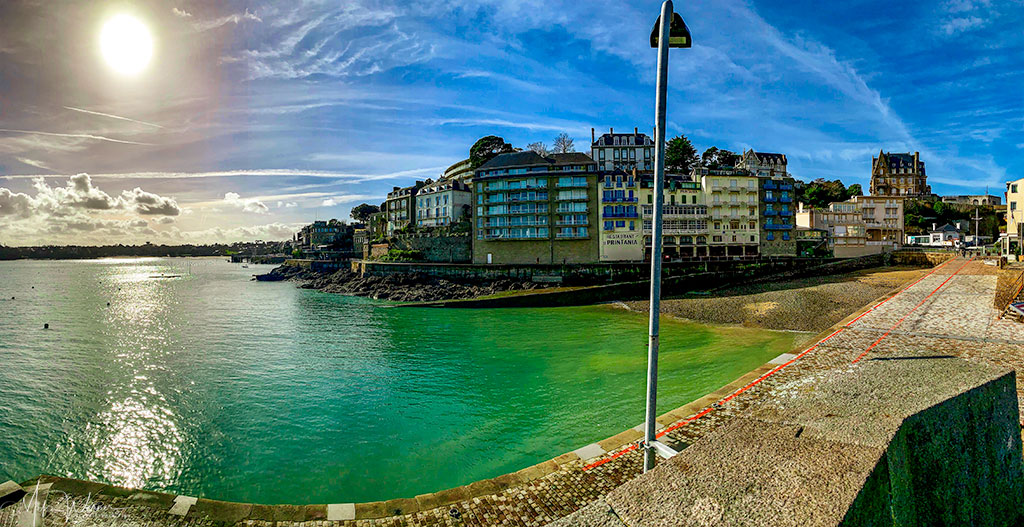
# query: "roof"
x,y
771,158
531,158
947,228
609,140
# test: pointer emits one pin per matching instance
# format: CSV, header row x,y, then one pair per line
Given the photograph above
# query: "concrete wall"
x,y
907,441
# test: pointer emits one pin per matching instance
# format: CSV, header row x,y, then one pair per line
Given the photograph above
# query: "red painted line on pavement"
x,y
707,410
919,304
876,306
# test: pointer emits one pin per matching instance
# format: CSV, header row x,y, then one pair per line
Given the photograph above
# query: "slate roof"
x,y
609,140
531,158
771,158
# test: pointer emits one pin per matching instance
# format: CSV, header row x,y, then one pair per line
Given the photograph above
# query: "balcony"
x,y
771,213
786,187
786,200
674,232
619,200
626,215
786,213
770,199
768,185
572,222
778,226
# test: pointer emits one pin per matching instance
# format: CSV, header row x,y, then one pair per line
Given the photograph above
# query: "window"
x,y
1013,188
600,154
620,224
609,225
632,225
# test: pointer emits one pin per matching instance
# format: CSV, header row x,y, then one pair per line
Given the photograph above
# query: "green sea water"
x,y
195,380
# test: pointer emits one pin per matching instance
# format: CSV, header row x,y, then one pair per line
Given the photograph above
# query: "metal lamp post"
x,y
669,32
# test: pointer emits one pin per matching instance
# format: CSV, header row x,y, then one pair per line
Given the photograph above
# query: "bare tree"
x,y
563,144
538,147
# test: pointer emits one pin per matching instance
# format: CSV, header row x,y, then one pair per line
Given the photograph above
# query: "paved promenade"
x,y
948,311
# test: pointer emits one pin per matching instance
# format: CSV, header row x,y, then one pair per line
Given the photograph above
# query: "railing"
x,y
786,200
620,200
672,231
768,185
777,226
1015,290
572,222
770,199
786,187
627,215
522,224
771,213
567,210
786,213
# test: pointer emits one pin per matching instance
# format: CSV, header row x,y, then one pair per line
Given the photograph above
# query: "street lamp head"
x,y
678,36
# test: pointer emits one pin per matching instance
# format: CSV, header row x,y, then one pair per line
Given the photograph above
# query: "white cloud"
x,y
150,204
181,12
233,199
235,18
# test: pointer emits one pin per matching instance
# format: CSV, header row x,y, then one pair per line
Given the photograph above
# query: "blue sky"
x,y
255,117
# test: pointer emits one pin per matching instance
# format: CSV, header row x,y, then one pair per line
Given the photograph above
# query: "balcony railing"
x,y
771,213
627,215
770,199
778,226
619,200
672,231
786,213
768,185
786,187
567,210
572,222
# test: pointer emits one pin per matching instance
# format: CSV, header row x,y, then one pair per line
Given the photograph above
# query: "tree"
x,y
563,144
715,158
854,190
486,148
538,147
362,212
680,155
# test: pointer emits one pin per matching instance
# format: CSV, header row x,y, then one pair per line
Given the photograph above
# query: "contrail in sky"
x,y
82,136
112,116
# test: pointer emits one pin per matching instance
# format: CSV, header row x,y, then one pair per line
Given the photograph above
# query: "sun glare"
x,y
126,44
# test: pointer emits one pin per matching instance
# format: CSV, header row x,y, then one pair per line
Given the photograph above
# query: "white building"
x,y
443,203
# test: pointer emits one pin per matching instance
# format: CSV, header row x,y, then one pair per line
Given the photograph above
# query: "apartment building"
x,y
318,234
530,208
620,238
400,207
777,210
883,220
461,171
731,196
626,152
442,203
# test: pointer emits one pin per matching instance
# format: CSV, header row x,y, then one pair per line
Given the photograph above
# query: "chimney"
x,y
611,130
395,188
636,130
935,227
592,136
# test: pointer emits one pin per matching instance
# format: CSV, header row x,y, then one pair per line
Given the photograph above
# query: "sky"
x,y
253,118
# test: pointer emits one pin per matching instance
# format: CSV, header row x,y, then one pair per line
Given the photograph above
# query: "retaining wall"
x,y
904,441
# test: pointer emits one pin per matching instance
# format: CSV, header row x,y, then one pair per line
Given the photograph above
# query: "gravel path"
x,y
807,304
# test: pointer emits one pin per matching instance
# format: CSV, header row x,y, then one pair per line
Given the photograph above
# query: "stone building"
x,y
318,234
400,207
530,208
625,152
1011,243
442,203
731,196
777,209
984,199
900,174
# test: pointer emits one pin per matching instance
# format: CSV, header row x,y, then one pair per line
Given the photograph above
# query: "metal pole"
x,y
650,454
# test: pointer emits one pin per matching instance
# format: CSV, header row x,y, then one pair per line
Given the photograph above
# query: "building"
x,y
763,164
777,210
899,175
684,227
621,230
731,196
626,152
461,171
442,203
844,221
948,235
318,234
532,209
400,207
984,199
1011,243
883,220
377,225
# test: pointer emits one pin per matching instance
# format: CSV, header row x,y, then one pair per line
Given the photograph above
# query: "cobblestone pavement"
x,y
947,312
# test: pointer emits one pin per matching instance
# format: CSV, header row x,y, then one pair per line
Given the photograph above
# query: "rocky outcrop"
x,y
413,287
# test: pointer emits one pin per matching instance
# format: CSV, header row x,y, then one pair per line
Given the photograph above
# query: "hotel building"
x,y
442,203
626,152
899,175
731,196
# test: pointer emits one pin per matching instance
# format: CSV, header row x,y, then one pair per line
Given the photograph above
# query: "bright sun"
x,y
126,44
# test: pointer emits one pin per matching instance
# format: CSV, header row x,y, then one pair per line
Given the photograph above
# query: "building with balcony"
x,y
883,220
777,210
899,175
400,207
732,199
442,203
461,171
530,209
319,234
619,217
626,152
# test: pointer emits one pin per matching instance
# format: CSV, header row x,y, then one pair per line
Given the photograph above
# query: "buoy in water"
x,y
108,303
46,326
